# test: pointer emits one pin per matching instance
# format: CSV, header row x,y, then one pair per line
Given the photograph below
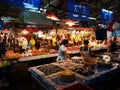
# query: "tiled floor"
x,y
23,84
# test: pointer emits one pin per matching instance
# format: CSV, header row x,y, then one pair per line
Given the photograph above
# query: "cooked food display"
x,y
66,64
84,70
49,69
76,60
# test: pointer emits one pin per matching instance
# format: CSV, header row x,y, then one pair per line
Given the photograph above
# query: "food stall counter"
x,y
53,79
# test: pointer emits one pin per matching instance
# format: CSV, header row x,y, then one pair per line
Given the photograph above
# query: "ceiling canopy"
x,y
60,7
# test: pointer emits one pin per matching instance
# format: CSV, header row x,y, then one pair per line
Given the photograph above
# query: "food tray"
x,y
60,83
76,61
83,70
65,64
49,69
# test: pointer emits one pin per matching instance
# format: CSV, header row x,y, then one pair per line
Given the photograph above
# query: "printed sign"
x,y
78,11
28,4
106,16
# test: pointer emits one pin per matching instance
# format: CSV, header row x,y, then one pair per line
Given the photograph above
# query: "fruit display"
x,y
84,70
49,69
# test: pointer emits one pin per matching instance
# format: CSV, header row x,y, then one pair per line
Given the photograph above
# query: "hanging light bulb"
x,y
70,22
52,16
25,32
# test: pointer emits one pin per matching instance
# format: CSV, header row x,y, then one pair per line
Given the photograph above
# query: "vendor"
x,y
62,54
85,50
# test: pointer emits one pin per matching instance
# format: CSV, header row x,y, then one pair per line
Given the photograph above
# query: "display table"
x,y
44,56
30,58
53,82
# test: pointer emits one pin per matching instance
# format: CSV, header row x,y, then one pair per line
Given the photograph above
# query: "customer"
x,y
62,54
2,47
113,46
85,50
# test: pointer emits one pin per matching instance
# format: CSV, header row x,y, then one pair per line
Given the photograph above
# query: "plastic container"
x,y
76,86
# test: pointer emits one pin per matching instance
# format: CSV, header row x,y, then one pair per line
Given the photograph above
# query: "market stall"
x,y
49,75
71,50
87,71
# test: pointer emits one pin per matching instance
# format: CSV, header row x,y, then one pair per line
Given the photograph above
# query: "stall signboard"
x,y
78,11
106,16
28,4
